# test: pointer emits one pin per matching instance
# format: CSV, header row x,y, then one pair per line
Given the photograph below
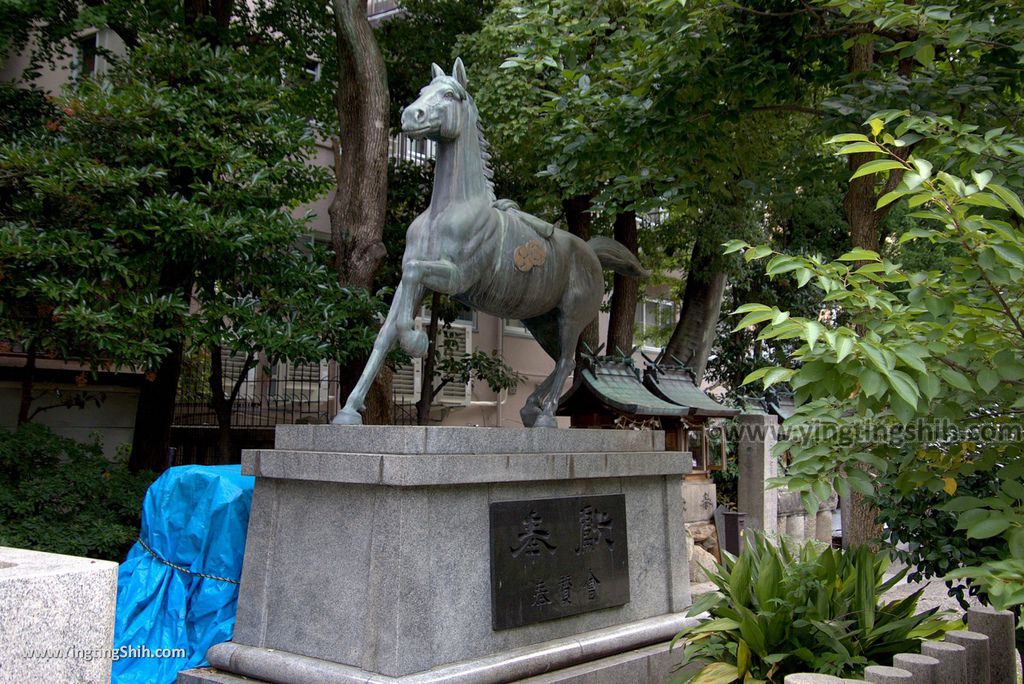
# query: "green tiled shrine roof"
x,y
677,386
617,386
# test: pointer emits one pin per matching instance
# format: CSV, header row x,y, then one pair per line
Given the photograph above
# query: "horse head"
x,y
441,110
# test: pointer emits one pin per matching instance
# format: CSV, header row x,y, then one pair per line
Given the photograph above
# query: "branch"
x,y
792,108
249,358
761,13
437,390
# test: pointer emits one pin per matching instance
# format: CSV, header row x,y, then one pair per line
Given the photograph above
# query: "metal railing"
x,y
376,7
269,395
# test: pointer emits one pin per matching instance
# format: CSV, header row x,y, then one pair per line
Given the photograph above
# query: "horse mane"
x,y
485,155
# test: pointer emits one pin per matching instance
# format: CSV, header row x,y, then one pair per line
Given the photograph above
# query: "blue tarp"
x,y
194,517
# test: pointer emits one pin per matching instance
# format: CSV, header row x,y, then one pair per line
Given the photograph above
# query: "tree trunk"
x,y
694,335
579,221
622,317
859,514
362,102
27,381
361,174
429,361
859,518
155,413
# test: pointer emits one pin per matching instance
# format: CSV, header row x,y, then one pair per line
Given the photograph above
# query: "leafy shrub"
x,y
934,545
792,608
64,496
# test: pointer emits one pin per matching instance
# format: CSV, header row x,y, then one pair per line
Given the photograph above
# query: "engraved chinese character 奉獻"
x,y
595,525
532,537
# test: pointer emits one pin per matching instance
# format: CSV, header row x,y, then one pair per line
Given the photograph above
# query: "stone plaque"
x,y
551,558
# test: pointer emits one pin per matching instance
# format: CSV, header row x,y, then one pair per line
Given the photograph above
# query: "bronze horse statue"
x,y
487,254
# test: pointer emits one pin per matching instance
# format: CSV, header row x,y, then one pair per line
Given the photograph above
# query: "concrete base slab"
x,y
600,657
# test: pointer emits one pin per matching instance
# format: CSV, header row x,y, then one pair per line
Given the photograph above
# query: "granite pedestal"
x,y
56,617
368,554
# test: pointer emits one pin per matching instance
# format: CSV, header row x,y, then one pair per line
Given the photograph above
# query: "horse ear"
x,y
459,72
435,71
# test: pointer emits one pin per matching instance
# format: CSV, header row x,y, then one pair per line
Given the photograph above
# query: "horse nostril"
x,y
416,114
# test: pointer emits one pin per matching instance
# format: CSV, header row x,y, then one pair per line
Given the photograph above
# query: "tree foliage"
x,y
153,210
923,385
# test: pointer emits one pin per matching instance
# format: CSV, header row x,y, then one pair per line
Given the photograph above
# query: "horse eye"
x,y
449,94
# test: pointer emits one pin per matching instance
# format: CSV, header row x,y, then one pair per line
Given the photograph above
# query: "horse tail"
x,y
614,255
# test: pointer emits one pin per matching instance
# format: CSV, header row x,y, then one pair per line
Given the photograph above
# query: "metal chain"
x,y
184,570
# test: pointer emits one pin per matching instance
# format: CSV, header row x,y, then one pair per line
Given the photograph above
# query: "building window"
x,y
514,326
87,54
312,70
655,320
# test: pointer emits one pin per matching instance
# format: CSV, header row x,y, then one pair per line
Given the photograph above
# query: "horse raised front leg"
x,y
349,415
439,276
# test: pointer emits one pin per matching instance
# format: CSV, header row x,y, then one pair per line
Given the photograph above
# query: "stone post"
x,y
823,526
880,674
758,434
924,668
998,626
977,654
794,525
952,660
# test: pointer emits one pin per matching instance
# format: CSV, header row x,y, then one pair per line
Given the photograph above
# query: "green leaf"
x,y
929,384
981,178
1017,543
755,375
856,147
876,166
956,379
889,197
846,138
925,55
987,528
776,375
747,308
803,276
871,383
911,355
759,252
753,318
716,673
844,345
904,387
988,379
860,255
984,199
733,246
1008,196
924,168
860,482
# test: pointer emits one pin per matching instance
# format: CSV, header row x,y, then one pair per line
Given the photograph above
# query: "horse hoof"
x,y
347,416
529,414
545,421
415,343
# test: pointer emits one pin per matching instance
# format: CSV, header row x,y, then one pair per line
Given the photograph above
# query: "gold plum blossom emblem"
x,y
529,255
